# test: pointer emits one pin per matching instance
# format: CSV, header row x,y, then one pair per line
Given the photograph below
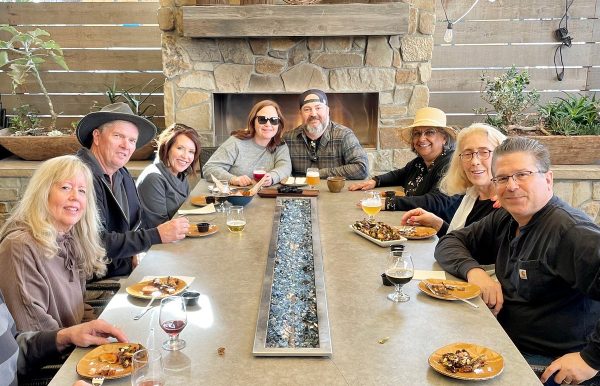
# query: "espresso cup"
x,y
336,183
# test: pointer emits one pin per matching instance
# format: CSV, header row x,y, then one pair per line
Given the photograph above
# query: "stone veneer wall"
x,y
397,67
577,185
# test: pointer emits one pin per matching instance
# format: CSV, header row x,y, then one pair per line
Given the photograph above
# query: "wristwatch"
x,y
376,179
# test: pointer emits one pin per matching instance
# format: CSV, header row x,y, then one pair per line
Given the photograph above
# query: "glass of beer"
x,y
147,368
399,270
313,178
371,204
236,222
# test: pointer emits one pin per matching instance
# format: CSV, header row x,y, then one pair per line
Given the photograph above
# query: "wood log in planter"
x,y
572,150
41,148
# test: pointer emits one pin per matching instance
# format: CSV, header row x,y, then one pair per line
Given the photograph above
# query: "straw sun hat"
x,y
427,117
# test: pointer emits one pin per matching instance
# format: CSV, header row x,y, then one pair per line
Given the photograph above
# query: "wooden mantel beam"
x,y
287,20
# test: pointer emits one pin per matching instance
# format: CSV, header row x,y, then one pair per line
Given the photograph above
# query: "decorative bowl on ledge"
x,y
41,148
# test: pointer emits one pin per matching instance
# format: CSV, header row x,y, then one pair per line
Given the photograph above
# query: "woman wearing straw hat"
x,y
433,142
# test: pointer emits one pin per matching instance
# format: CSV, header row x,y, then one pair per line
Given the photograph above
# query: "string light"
x,y
448,34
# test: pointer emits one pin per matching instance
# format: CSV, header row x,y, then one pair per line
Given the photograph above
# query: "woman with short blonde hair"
x,y
50,245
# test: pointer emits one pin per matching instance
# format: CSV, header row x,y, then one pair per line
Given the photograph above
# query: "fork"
x,y
155,296
450,296
97,381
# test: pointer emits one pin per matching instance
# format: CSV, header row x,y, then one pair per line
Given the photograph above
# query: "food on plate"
x,y
294,181
415,231
289,189
122,358
166,285
443,289
461,361
378,230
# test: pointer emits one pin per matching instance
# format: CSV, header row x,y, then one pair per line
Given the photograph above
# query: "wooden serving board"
x,y
272,192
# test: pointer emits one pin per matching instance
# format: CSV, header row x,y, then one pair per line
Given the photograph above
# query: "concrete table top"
x,y
228,270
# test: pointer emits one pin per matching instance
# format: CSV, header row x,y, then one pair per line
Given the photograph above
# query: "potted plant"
x,y
568,127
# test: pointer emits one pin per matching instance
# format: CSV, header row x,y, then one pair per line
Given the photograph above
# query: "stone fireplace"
x,y
382,50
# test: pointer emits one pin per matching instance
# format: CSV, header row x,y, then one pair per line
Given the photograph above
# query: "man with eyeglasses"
x,y
547,257
321,143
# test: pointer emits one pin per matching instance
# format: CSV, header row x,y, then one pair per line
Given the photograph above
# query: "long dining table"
x,y
374,340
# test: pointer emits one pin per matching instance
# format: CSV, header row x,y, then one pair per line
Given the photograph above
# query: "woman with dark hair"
x,y
163,186
258,145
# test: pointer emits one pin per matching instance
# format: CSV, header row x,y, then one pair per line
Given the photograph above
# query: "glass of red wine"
x,y
399,270
173,319
147,368
259,172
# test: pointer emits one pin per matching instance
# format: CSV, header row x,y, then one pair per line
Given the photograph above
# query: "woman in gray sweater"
x,y
258,145
163,186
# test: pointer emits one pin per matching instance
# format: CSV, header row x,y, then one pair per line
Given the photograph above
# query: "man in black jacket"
x,y
547,258
110,136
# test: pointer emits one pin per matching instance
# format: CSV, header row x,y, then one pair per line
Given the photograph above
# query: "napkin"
x,y
210,208
187,279
422,275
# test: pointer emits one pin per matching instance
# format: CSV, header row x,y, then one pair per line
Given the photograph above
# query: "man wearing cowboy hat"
x,y
110,136
323,144
433,142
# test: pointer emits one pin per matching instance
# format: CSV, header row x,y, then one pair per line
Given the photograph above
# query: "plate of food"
x,y
467,361
194,232
449,289
413,232
294,181
202,200
167,285
111,361
378,233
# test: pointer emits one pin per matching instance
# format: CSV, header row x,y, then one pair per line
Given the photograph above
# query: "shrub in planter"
x,y
572,115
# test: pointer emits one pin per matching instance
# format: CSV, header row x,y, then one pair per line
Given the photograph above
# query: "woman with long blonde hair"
x,y
469,174
50,245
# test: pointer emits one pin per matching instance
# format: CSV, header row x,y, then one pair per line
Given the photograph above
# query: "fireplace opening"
x,y
358,111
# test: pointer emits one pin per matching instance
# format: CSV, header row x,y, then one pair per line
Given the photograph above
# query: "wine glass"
x,y
399,270
313,178
173,320
221,195
236,221
147,368
259,172
371,204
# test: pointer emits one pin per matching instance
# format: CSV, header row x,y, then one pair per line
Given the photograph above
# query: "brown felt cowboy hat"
x,y
114,112
427,117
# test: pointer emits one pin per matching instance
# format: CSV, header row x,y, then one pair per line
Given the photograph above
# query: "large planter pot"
x,y
41,148
572,150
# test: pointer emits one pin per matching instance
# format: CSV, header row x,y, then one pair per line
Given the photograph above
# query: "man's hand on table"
x,y
87,334
241,181
570,369
173,230
491,291
363,185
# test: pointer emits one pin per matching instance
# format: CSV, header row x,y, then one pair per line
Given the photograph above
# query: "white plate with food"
x,y
378,233
294,181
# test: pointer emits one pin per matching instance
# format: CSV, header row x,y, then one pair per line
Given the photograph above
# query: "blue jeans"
x,y
539,363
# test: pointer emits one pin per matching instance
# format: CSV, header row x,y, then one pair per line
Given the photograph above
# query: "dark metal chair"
x,y
205,153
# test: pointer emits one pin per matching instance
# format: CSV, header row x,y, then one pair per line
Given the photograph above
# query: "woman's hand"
x,y
241,181
268,180
363,185
422,217
491,291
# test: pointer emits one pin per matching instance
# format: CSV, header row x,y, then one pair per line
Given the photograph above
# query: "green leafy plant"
x,y
576,114
24,53
137,100
25,121
506,93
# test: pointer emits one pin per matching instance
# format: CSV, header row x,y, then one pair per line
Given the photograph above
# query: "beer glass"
x,y
147,368
313,178
399,270
371,204
236,222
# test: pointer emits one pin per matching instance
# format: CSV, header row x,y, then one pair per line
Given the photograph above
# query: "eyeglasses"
x,y
263,120
517,177
481,154
429,133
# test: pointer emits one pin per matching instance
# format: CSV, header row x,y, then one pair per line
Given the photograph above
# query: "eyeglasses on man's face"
x,y
481,154
428,133
518,177
263,120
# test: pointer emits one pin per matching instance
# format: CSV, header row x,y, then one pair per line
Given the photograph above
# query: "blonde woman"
x,y
49,246
469,174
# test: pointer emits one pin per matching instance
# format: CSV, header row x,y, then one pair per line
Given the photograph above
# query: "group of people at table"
x,y
82,218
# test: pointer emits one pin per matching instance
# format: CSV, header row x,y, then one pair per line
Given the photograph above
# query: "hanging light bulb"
x,y
448,34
